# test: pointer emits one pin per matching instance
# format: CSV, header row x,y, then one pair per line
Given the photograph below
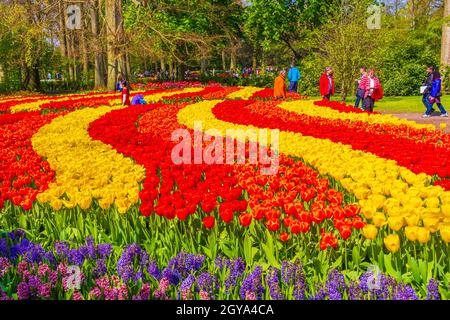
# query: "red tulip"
x,y
209,222
273,225
245,219
284,236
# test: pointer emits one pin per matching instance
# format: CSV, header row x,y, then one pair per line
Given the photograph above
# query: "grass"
x,y
399,104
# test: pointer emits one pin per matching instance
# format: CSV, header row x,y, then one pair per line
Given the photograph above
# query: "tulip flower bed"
x,y
355,196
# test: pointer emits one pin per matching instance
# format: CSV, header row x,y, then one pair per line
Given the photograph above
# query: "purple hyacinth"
x,y
185,263
293,274
207,282
62,249
76,257
237,269
173,276
104,249
100,268
274,284
433,290
253,284
405,292
354,291
153,270
335,285
4,252
186,287
131,256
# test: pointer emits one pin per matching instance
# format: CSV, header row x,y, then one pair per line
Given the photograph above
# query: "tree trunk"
x,y
445,48
202,66
74,56
99,71
70,70
63,36
111,16
224,61
34,79
170,68
181,70
233,58
85,55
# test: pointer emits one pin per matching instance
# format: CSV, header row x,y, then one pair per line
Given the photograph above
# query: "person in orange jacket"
x,y
279,89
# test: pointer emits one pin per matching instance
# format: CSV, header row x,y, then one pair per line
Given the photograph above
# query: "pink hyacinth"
x,y
22,267
77,296
164,285
204,295
250,296
4,266
62,268
95,293
43,269
44,290
122,293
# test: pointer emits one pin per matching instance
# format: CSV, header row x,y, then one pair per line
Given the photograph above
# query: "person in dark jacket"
x,y
428,84
436,94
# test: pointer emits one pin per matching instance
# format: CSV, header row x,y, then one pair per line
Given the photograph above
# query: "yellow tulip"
x,y
379,219
445,209
412,220
370,231
411,233
56,204
431,202
368,211
395,223
445,233
423,235
85,203
69,204
431,223
392,242
443,125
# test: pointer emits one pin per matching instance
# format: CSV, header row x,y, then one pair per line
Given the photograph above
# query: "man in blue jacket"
x,y
294,77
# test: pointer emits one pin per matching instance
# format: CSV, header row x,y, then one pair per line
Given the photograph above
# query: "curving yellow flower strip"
x,y
308,108
85,169
382,186
245,93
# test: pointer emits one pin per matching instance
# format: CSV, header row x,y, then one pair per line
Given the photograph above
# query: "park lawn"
x,y
399,104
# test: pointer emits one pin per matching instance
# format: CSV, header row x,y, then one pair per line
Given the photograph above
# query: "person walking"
x,y
435,95
360,90
326,84
279,89
427,86
372,90
294,77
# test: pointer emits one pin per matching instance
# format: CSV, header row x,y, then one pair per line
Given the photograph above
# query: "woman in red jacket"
x,y
126,94
372,90
327,84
